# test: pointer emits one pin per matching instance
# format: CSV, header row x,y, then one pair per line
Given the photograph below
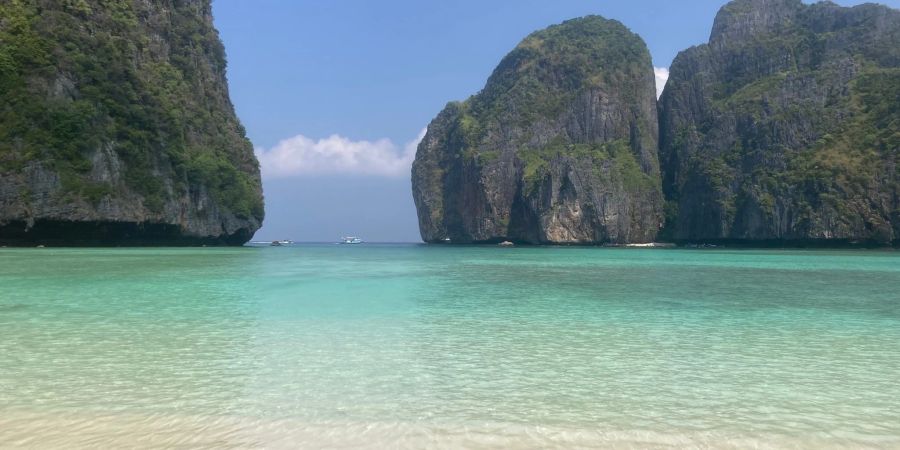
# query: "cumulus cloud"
x,y
300,155
662,75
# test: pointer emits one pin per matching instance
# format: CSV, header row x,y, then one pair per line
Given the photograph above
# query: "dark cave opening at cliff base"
x,y
62,233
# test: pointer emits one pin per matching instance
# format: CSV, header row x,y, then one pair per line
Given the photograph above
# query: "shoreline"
x,y
633,246
85,429
710,244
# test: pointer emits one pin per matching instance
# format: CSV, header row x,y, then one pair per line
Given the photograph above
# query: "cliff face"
x,y
559,147
116,127
784,127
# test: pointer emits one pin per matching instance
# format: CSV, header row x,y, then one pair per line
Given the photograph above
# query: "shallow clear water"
x,y
411,346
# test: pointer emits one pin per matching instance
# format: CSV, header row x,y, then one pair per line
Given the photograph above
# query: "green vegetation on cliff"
x,y
786,127
559,146
615,155
545,74
82,76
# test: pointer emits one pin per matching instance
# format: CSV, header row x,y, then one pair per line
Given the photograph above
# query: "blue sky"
x,y
334,94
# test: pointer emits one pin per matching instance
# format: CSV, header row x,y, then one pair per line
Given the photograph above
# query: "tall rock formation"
x,y
558,148
116,127
785,127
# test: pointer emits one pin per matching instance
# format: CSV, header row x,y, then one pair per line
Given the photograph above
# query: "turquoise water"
x,y
411,346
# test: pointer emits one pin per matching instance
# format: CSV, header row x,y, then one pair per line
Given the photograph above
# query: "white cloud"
x,y
336,154
662,75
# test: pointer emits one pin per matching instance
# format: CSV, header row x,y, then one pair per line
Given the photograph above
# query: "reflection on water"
x,y
420,346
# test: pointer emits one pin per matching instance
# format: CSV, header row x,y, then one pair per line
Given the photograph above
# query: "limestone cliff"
x,y
785,127
116,127
559,147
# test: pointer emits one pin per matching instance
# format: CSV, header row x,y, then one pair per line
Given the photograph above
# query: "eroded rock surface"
x,y
560,147
116,127
785,127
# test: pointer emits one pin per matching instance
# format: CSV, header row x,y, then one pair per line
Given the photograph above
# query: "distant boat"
x,y
281,243
351,240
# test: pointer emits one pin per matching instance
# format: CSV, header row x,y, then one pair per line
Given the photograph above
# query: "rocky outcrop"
x,y
116,127
558,148
783,129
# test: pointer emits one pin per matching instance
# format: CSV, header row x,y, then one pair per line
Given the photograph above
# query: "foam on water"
x,y
422,346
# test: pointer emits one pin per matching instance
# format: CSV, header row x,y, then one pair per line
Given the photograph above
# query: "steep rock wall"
x,y
785,127
116,127
558,148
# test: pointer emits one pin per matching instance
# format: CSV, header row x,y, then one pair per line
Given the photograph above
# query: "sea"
x,y
415,346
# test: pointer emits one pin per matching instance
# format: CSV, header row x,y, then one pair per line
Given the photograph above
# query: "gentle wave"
x,y
84,430
405,346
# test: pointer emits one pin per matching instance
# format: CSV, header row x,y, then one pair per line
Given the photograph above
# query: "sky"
x,y
335,95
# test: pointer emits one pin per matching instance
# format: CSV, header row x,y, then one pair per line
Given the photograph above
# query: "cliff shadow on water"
x,y
53,233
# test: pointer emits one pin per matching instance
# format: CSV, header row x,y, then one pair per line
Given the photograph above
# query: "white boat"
x,y
351,240
281,243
